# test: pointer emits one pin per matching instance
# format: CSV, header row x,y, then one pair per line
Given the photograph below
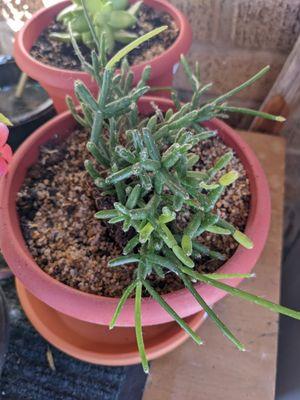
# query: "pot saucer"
x,y
96,343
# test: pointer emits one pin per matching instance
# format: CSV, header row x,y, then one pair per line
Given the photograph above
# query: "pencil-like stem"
x,y
242,294
138,326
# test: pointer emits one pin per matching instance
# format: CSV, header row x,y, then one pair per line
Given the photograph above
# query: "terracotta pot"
x,y
59,82
98,309
95,343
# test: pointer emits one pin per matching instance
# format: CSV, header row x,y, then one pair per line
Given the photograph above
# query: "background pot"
x,y
25,119
99,309
58,82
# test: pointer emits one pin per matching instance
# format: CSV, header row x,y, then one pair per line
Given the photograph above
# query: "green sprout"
x,y
147,164
89,19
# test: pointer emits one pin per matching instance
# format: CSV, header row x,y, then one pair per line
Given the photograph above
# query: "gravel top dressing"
x,y
57,203
61,55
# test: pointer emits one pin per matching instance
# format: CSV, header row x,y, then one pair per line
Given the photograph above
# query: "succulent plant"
x,y
112,17
146,165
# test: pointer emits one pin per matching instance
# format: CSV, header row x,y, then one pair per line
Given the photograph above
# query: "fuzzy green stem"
x,y
133,45
170,311
249,82
121,303
213,316
242,294
138,326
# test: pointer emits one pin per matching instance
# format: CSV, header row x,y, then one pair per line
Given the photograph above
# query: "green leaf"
x,y
217,230
228,178
97,154
107,214
180,254
170,311
63,37
68,12
119,4
186,244
218,276
242,294
243,239
128,259
145,233
120,175
133,45
133,197
79,24
131,244
249,82
121,303
212,315
135,7
72,108
121,19
91,169
123,36
138,326
254,113
193,225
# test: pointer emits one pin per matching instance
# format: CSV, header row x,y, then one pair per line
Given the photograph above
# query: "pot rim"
x,y
30,65
99,309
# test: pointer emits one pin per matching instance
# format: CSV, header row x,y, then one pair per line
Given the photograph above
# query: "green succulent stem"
x,y
242,294
138,326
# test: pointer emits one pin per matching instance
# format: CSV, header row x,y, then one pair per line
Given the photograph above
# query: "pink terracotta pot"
x,y
99,309
58,82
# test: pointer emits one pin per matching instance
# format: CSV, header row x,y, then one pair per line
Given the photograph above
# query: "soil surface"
x,y
61,55
57,203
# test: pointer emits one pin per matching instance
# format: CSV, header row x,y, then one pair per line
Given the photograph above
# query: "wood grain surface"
x,y
217,370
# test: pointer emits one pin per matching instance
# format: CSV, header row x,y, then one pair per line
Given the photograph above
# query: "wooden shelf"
x,y
217,371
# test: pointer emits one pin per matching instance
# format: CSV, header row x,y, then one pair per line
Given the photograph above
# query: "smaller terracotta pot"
x,y
97,344
59,82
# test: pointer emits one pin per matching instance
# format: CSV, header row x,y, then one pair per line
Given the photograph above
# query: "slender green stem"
x,y
249,82
249,111
129,259
218,277
90,24
121,303
173,313
223,328
133,45
138,326
242,294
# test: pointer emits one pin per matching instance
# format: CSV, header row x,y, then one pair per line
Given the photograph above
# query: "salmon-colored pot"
x,y
98,309
59,82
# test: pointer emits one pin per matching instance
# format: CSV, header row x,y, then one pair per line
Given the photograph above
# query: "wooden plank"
x,y
217,370
284,96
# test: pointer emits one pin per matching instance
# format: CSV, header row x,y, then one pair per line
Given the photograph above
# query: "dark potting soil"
x,y
57,203
61,55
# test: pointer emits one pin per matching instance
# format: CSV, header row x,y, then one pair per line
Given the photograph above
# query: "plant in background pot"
x,y
44,52
155,178
109,17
